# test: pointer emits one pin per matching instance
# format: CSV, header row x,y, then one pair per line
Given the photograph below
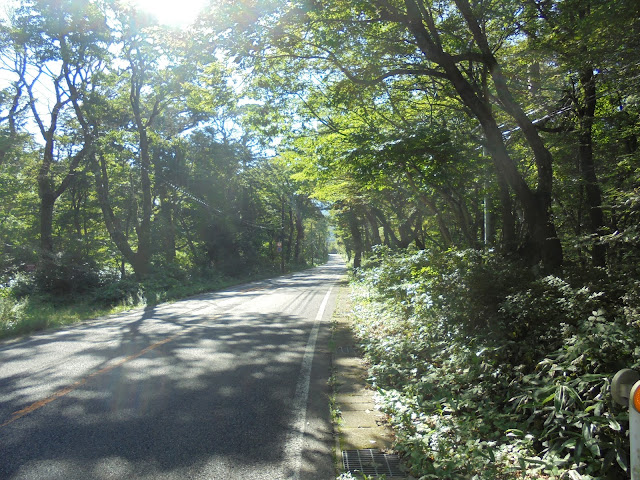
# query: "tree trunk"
x,y
47,202
354,228
390,237
299,235
188,238
165,220
48,193
509,242
542,243
375,234
587,166
139,263
290,236
143,229
461,214
405,230
445,233
169,229
282,218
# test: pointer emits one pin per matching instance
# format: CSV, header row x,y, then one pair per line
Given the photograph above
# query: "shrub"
x,y
486,369
22,285
66,274
11,311
126,291
542,311
567,400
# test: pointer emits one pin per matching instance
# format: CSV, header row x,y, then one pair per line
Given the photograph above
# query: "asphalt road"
x,y
227,385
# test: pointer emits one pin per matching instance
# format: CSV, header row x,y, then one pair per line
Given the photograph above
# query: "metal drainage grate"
x,y
372,462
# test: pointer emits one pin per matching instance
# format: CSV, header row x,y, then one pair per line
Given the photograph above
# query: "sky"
x,y
176,13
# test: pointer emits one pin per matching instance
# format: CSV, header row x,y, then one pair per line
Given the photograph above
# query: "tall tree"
x,y
575,38
453,44
144,92
59,47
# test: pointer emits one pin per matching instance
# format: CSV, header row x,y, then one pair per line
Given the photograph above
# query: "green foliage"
x,y
175,185
126,291
24,309
35,313
67,274
567,400
11,311
457,287
487,370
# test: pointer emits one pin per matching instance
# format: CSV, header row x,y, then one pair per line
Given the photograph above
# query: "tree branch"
x,y
391,73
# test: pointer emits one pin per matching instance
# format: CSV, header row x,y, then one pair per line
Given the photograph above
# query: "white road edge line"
x,y
301,397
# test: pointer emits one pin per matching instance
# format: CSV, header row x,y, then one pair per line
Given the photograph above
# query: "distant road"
x,y
228,385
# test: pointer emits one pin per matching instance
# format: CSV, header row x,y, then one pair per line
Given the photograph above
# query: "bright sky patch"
x,y
176,13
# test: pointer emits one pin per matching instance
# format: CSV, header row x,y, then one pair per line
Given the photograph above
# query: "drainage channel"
x,y
372,463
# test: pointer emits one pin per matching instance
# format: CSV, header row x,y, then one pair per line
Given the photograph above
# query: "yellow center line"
x,y
65,391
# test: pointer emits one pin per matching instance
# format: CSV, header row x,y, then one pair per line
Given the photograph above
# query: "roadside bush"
x,y
487,371
461,288
22,285
11,310
24,308
126,291
67,274
156,288
543,310
567,400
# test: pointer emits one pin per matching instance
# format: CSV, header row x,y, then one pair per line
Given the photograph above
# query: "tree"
x,y
143,93
452,44
575,38
58,47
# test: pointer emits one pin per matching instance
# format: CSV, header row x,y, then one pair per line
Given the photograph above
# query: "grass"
x,y
39,315
36,313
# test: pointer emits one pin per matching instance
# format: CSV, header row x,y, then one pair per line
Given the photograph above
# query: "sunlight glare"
x,y
175,13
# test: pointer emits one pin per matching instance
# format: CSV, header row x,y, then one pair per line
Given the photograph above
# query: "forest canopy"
x,y
129,144
126,150
506,124
485,150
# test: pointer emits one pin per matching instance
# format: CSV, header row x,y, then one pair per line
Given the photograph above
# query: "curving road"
x,y
227,385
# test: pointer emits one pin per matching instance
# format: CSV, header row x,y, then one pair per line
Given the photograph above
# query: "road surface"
x,y
227,385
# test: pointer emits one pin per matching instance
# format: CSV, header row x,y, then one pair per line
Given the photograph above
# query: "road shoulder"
x,y
358,425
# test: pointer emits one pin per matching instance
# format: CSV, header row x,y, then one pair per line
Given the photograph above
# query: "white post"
x,y
625,390
634,431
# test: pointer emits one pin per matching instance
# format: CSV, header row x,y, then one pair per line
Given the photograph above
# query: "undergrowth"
x,y
26,308
489,371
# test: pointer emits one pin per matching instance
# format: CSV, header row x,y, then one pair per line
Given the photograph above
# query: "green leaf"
x,y
614,425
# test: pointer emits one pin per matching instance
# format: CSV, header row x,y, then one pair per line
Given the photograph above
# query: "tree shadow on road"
x,y
213,401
